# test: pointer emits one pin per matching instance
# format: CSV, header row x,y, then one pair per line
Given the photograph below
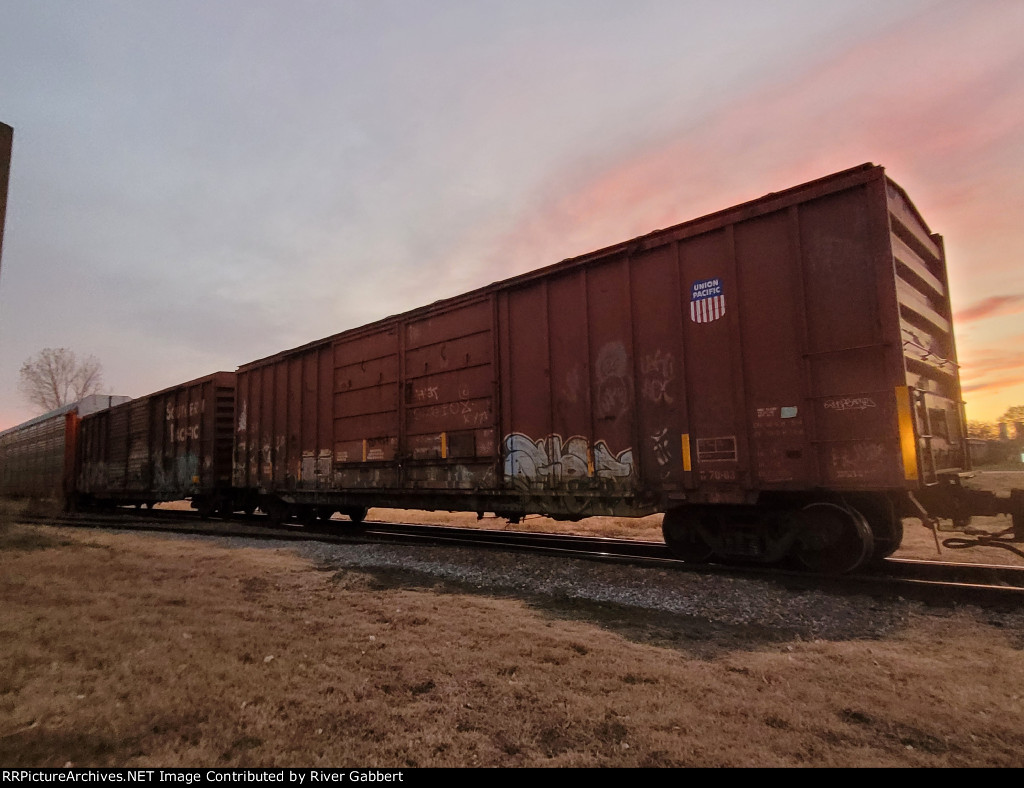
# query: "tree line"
x,y
987,430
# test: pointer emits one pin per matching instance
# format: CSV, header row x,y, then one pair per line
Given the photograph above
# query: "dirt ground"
x,y
143,650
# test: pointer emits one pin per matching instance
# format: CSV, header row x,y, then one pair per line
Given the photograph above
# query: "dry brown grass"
x,y
145,650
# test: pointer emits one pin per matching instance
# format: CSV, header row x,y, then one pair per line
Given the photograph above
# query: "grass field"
x,y
134,650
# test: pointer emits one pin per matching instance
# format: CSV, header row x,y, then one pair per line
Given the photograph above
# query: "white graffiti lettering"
x,y
554,462
661,447
850,403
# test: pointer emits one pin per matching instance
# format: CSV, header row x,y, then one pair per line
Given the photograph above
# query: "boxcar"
x,y
35,458
779,378
172,445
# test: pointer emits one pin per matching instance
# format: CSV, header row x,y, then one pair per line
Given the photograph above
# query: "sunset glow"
x,y
199,187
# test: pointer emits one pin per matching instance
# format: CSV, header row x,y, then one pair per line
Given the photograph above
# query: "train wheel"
x,y
325,513
356,513
682,532
205,508
277,513
833,539
885,523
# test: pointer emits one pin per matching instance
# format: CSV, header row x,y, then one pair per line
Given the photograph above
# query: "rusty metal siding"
x,y
366,418
169,445
411,403
248,469
570,426
754,350
772,317
528,409
661,363
851,379
448,397
759,342
612,379
568,359
709,298
32,459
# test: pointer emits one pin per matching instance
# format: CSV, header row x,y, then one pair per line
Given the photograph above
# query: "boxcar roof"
x,y
84,406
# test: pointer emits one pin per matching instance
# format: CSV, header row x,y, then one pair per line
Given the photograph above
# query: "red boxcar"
x,y
171,445
779,377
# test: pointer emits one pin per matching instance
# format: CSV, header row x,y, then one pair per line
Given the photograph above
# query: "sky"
x,y
197,185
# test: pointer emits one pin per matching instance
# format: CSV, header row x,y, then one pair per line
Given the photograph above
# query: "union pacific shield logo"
x,y
707,301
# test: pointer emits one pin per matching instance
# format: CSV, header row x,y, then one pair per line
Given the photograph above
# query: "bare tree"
x,y
982,429
56,376
1014,415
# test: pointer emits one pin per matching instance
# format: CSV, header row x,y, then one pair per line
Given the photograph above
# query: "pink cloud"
x,y
994,377
998,384
937,100
991,306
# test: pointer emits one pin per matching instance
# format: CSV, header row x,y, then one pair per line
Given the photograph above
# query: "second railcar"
x,y
778,378
172,445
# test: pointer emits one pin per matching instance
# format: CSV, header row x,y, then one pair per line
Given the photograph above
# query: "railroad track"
x,y
932,582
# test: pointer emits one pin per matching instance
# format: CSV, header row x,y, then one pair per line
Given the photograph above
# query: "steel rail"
x,y
932,582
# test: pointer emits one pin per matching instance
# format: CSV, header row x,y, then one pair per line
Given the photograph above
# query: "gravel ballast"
x,y
715,599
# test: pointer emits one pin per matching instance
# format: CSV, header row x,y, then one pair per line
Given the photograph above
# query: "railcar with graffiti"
x,y
778,378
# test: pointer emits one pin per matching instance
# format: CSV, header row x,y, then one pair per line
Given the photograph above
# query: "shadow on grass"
x,y
698,637
38,746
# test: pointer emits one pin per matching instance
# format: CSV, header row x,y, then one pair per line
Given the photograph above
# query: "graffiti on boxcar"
x,y
474,413
849,403
271,454
555,462
613,381
860,460
570,390
176,475
662,447
658,369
